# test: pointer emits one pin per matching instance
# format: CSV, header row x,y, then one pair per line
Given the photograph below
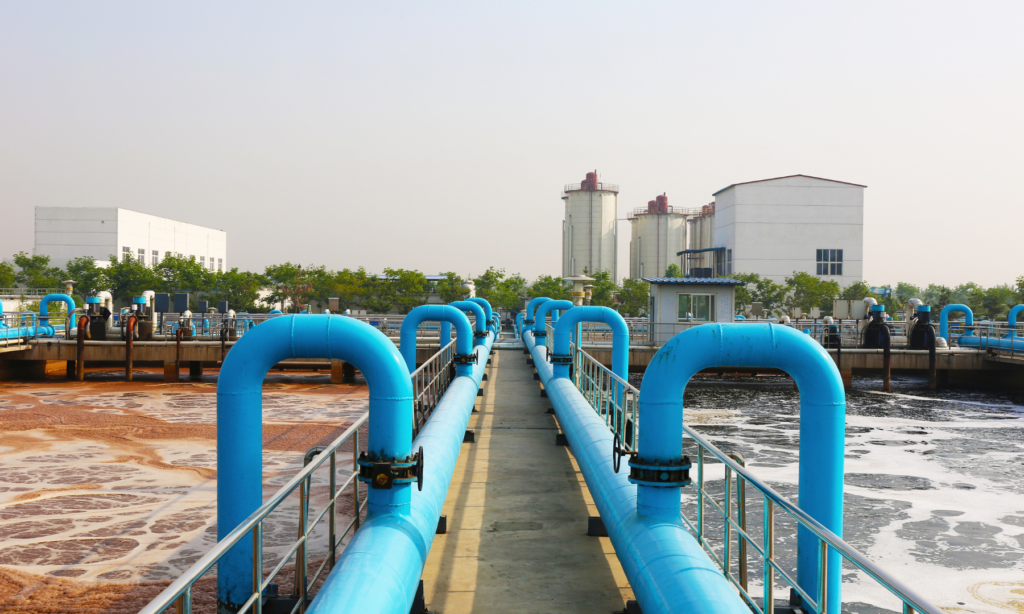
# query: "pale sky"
x,y
437,136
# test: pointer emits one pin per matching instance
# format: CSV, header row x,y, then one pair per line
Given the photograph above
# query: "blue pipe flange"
x,y
385,473
465,359
664,475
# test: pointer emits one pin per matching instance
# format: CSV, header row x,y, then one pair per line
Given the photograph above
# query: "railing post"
x,y
257,567
183,604
333,522
700,494
355,483
823,579
727,554
300,554
769,556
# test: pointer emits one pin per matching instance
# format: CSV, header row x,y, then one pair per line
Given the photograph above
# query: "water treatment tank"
x,y
658,234
589,230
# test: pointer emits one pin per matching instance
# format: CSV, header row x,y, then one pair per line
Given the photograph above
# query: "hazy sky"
x,y
437,136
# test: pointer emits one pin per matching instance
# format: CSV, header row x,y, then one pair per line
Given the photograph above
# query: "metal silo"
x,y
658,234
588,232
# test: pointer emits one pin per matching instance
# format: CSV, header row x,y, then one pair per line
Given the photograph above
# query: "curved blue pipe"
x,y
44,307
481,319
540,320
1011,319
240,421
274,312
944,319
486,306
822,422
666,567
379,570
531,307
519,324
436,313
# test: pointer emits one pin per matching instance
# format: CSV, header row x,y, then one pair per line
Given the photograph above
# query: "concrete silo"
x,y
659,233
588,232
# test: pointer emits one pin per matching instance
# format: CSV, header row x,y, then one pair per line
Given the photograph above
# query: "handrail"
x,y
594,382
429,382
179,592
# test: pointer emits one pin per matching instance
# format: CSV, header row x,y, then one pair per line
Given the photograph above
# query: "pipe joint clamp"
x,y
464,359
528,322
382,473
479,334
540,334
665,475
560,359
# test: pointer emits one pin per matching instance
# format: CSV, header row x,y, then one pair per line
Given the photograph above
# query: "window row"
x,y
214,265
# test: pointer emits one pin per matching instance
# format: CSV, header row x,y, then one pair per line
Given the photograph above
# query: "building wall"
x,y
655,240
589,233
701,234
665,302
775,227
64,233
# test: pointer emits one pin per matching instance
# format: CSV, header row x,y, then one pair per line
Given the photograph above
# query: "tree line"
x,y
298,287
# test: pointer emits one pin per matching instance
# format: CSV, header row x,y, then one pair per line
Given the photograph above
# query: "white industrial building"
x,y
658,234
589,237
64,233
773,227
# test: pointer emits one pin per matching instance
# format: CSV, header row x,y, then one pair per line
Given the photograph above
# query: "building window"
x,y
179,254
696,308
142,256
202,261
220,264
728,262
126,253
830,262
156,257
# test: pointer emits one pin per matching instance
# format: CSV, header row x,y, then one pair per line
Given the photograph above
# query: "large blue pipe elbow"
x,y
519,324
481,319
531,308
436,313
620,337
44,307
540,320
944,319
240,421
486,306
379,570
822,423
666,567
1011,319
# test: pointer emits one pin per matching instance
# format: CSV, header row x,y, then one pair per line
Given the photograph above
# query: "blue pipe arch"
x,y
436,313
944,319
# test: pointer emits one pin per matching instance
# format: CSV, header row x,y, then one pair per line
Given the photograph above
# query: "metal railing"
x,y
429,383
19,319
28,293
575,187
179,593
596,383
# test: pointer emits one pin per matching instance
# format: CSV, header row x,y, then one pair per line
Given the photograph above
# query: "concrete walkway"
x,y
517,515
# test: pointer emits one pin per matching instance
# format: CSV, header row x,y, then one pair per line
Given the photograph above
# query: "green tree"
x,y
1020,288
128,278
551,287
937,296
184,274
997,300
759,290
351,287
603,294
7,276
634,297
36,272
489,282
89,278
808,291
410,288
289,285
855,291
508,294
322,282
905,291
240,289
673,270
450,288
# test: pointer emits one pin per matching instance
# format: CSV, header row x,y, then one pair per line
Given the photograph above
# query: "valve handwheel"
x,y
616,452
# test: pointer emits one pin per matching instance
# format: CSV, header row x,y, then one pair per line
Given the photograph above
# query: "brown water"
x,y
108,488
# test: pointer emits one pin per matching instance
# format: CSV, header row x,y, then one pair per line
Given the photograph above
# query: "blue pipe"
x,y
44,307
1011,319
519,324
1006,343
379,570
944,319
274,311
531,307
822,420
240,421
28,332
666,567
540,320
481,320
436,313
605,315
486,306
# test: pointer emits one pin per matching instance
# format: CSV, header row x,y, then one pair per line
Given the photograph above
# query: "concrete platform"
x,y
517,515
